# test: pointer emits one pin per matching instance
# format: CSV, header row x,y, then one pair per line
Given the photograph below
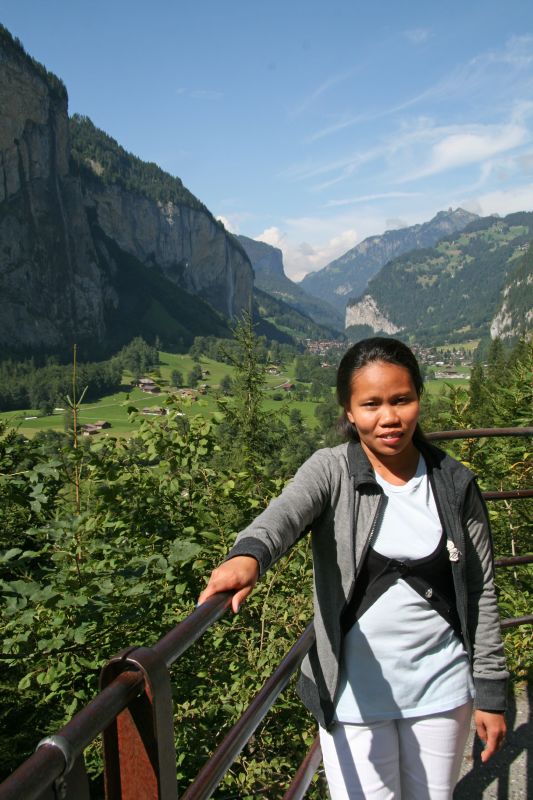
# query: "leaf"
x,y
10,554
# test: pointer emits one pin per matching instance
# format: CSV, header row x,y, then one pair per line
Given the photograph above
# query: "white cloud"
x,y
321,89
227,224
519,198
465,147
301,257
395,223
273,236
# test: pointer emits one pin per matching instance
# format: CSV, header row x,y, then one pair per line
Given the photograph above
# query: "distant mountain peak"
x,y
348,275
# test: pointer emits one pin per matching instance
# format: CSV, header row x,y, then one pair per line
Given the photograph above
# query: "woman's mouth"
x,y
391,437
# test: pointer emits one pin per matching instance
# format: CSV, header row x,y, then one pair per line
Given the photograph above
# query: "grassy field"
x,y
114,408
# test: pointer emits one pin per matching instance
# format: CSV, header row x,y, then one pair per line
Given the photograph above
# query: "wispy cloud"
x,y
471,145
301,257
492,70
320,90
369,198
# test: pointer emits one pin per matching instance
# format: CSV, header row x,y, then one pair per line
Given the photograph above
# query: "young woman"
x,y
406,621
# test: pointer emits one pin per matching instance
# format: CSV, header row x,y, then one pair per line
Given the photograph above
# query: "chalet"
x,y
187,394
287,386
154,411
90,428
273,370
147,385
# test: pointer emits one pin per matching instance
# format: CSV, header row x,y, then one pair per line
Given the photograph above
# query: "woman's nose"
x,y
389,415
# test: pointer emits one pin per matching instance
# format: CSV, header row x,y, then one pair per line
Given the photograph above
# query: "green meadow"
x,y
114,408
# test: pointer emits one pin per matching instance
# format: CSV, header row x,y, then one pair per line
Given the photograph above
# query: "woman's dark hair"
x,y
367,351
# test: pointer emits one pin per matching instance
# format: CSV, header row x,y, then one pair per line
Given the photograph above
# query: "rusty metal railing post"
x,y
139,752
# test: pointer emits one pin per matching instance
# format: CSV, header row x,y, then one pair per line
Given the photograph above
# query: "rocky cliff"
x,y
515,314
66,230
366,312
50,285
348,276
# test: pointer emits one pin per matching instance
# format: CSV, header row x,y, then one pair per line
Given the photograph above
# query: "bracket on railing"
x,y
140,757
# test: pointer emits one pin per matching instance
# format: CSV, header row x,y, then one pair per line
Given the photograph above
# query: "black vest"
x,y
430,576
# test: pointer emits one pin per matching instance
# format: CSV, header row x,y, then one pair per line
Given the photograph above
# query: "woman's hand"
x,y
239,574
491,729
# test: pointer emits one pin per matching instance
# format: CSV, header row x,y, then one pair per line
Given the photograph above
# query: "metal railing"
x,y
135,714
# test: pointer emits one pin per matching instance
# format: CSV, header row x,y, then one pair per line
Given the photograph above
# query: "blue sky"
x,y
308,125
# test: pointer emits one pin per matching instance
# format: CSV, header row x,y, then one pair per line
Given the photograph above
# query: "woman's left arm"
x,y
489,668
491,729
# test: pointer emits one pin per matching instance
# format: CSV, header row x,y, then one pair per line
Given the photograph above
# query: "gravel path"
x,y
509,774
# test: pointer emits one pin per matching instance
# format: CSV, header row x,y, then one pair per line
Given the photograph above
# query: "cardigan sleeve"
x,y
289,515
489,668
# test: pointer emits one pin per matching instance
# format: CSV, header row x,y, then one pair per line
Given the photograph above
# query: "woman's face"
x,y
384,407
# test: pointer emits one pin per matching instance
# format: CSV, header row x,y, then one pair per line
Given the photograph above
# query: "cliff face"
x,y
366,312
56,282
50,285
192,250
515,313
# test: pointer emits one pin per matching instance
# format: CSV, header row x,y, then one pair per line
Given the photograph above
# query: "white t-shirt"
x,y
401,658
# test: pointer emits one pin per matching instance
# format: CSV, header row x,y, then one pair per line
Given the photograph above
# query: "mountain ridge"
x,y
458,289
348,275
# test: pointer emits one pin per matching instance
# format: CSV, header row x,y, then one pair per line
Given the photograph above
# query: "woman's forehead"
x,y
381,375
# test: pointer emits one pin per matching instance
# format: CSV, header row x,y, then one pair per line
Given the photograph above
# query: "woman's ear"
x,y
350,416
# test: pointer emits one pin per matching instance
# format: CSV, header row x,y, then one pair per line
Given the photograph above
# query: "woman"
x,y
406,621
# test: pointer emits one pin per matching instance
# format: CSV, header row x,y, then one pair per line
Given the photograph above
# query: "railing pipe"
x,y
180,638
48,763
512,561
514,622
510,494
214,770
478,433
304,775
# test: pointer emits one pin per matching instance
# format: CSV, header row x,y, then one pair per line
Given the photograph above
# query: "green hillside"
x,y
451,292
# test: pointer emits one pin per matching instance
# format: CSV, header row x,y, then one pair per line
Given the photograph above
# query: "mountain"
x,y
287,320
267,262
348,276
96,245
470,283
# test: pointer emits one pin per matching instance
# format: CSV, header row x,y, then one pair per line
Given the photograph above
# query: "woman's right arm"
x,y
274,531
239,574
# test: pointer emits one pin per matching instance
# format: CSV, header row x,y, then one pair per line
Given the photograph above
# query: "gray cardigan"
x,y
335,495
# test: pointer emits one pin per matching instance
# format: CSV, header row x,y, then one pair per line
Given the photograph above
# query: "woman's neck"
x,y
398,469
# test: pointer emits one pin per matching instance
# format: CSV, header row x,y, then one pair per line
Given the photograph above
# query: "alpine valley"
x,y
97,247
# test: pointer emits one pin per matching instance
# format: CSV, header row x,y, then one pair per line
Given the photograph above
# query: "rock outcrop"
x,y
366,312
515,314
56,273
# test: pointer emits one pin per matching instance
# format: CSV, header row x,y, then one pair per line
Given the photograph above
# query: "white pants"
x,y
412,759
